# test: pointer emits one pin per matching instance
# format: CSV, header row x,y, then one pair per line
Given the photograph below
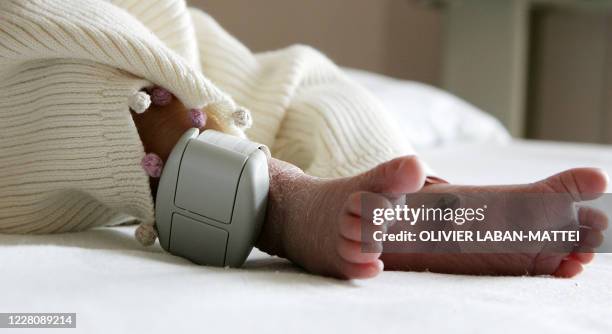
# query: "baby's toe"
x,y
352,251
568,268
398,176
582,184
592,223
360,270
590,239
353,204
583,258
356,200
350,228
357,225
357,260
593,218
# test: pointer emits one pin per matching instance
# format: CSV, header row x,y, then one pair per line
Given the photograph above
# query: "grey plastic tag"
x,y
212,198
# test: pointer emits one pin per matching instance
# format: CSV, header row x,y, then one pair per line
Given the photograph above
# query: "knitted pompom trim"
x,y
242,118
161,96
146,234
139,102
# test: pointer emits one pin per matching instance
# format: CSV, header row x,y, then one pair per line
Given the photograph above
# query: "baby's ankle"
x,y
286,181
160,127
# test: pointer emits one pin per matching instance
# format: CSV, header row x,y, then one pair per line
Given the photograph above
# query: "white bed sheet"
x,y
429,116
116,286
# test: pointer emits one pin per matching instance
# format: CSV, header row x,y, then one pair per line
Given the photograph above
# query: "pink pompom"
x,y
161,97
198,118
152,164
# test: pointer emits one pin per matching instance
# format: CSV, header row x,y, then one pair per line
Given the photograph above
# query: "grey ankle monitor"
x,y
212,198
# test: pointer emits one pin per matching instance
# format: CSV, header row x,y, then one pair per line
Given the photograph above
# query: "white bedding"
x,y
428,116
116,286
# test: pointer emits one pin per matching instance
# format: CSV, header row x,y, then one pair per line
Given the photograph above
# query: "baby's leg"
x,y
316,222
309,219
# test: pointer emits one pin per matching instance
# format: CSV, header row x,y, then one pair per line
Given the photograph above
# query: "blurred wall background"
x,y
543,67
394,37
570,90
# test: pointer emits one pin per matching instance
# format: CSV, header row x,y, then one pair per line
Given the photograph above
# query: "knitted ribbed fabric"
x,y
70,155
303,106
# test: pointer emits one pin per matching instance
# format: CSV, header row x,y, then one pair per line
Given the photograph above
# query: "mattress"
x,y
116,286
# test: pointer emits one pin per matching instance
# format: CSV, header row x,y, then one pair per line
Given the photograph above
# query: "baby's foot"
x,y
576,183
306,216
315,223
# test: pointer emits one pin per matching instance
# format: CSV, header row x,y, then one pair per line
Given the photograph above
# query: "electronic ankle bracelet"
x,y
212,198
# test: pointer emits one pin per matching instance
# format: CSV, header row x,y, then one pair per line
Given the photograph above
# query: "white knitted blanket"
x,y
69,151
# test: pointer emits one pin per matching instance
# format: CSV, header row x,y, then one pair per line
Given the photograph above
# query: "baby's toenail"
x,y
152,164
161,97
198,118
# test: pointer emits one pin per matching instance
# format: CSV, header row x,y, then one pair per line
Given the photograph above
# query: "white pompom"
x,y
242,118
139,102
146,234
